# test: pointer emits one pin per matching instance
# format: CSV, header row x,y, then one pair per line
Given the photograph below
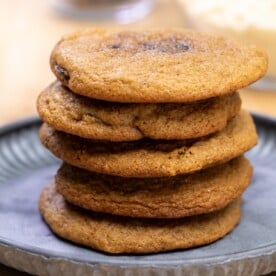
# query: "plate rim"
x,y
251,254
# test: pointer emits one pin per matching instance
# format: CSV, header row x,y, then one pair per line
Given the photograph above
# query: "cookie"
x,y
94,119
115,234
171,65
153,158
168,197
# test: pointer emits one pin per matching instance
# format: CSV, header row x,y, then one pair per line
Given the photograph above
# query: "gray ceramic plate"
x,y
26,243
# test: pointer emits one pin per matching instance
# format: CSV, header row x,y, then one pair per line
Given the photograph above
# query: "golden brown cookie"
x,y
171,65
115,234
94,119
153,158
168,197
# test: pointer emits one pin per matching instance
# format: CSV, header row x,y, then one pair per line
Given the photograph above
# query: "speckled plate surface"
x,y
26,243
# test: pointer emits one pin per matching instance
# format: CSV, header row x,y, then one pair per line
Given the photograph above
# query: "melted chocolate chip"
x,y
149,46
167,46
62,73
115,46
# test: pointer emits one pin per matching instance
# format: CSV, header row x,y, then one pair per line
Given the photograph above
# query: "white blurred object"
x,y
250,21
121,11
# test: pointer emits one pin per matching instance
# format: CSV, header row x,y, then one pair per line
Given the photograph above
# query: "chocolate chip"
x,y
62,73
149,46
182,46
167,46
115,46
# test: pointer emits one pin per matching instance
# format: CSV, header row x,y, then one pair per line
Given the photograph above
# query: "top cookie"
x,y
175,65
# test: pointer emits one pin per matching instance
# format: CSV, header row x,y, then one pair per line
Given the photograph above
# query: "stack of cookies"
x,y
150,128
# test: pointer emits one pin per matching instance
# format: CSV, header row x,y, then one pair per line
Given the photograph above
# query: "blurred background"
x,y
30,29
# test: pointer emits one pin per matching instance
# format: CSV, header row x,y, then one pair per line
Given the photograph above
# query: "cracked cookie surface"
x,y
94,119
167,197
114,234
172,65
153,158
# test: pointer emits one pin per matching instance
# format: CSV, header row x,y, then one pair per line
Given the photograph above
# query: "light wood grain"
x,y
29,30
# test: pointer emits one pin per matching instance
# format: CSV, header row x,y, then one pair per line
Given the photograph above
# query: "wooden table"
x,y
29,30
